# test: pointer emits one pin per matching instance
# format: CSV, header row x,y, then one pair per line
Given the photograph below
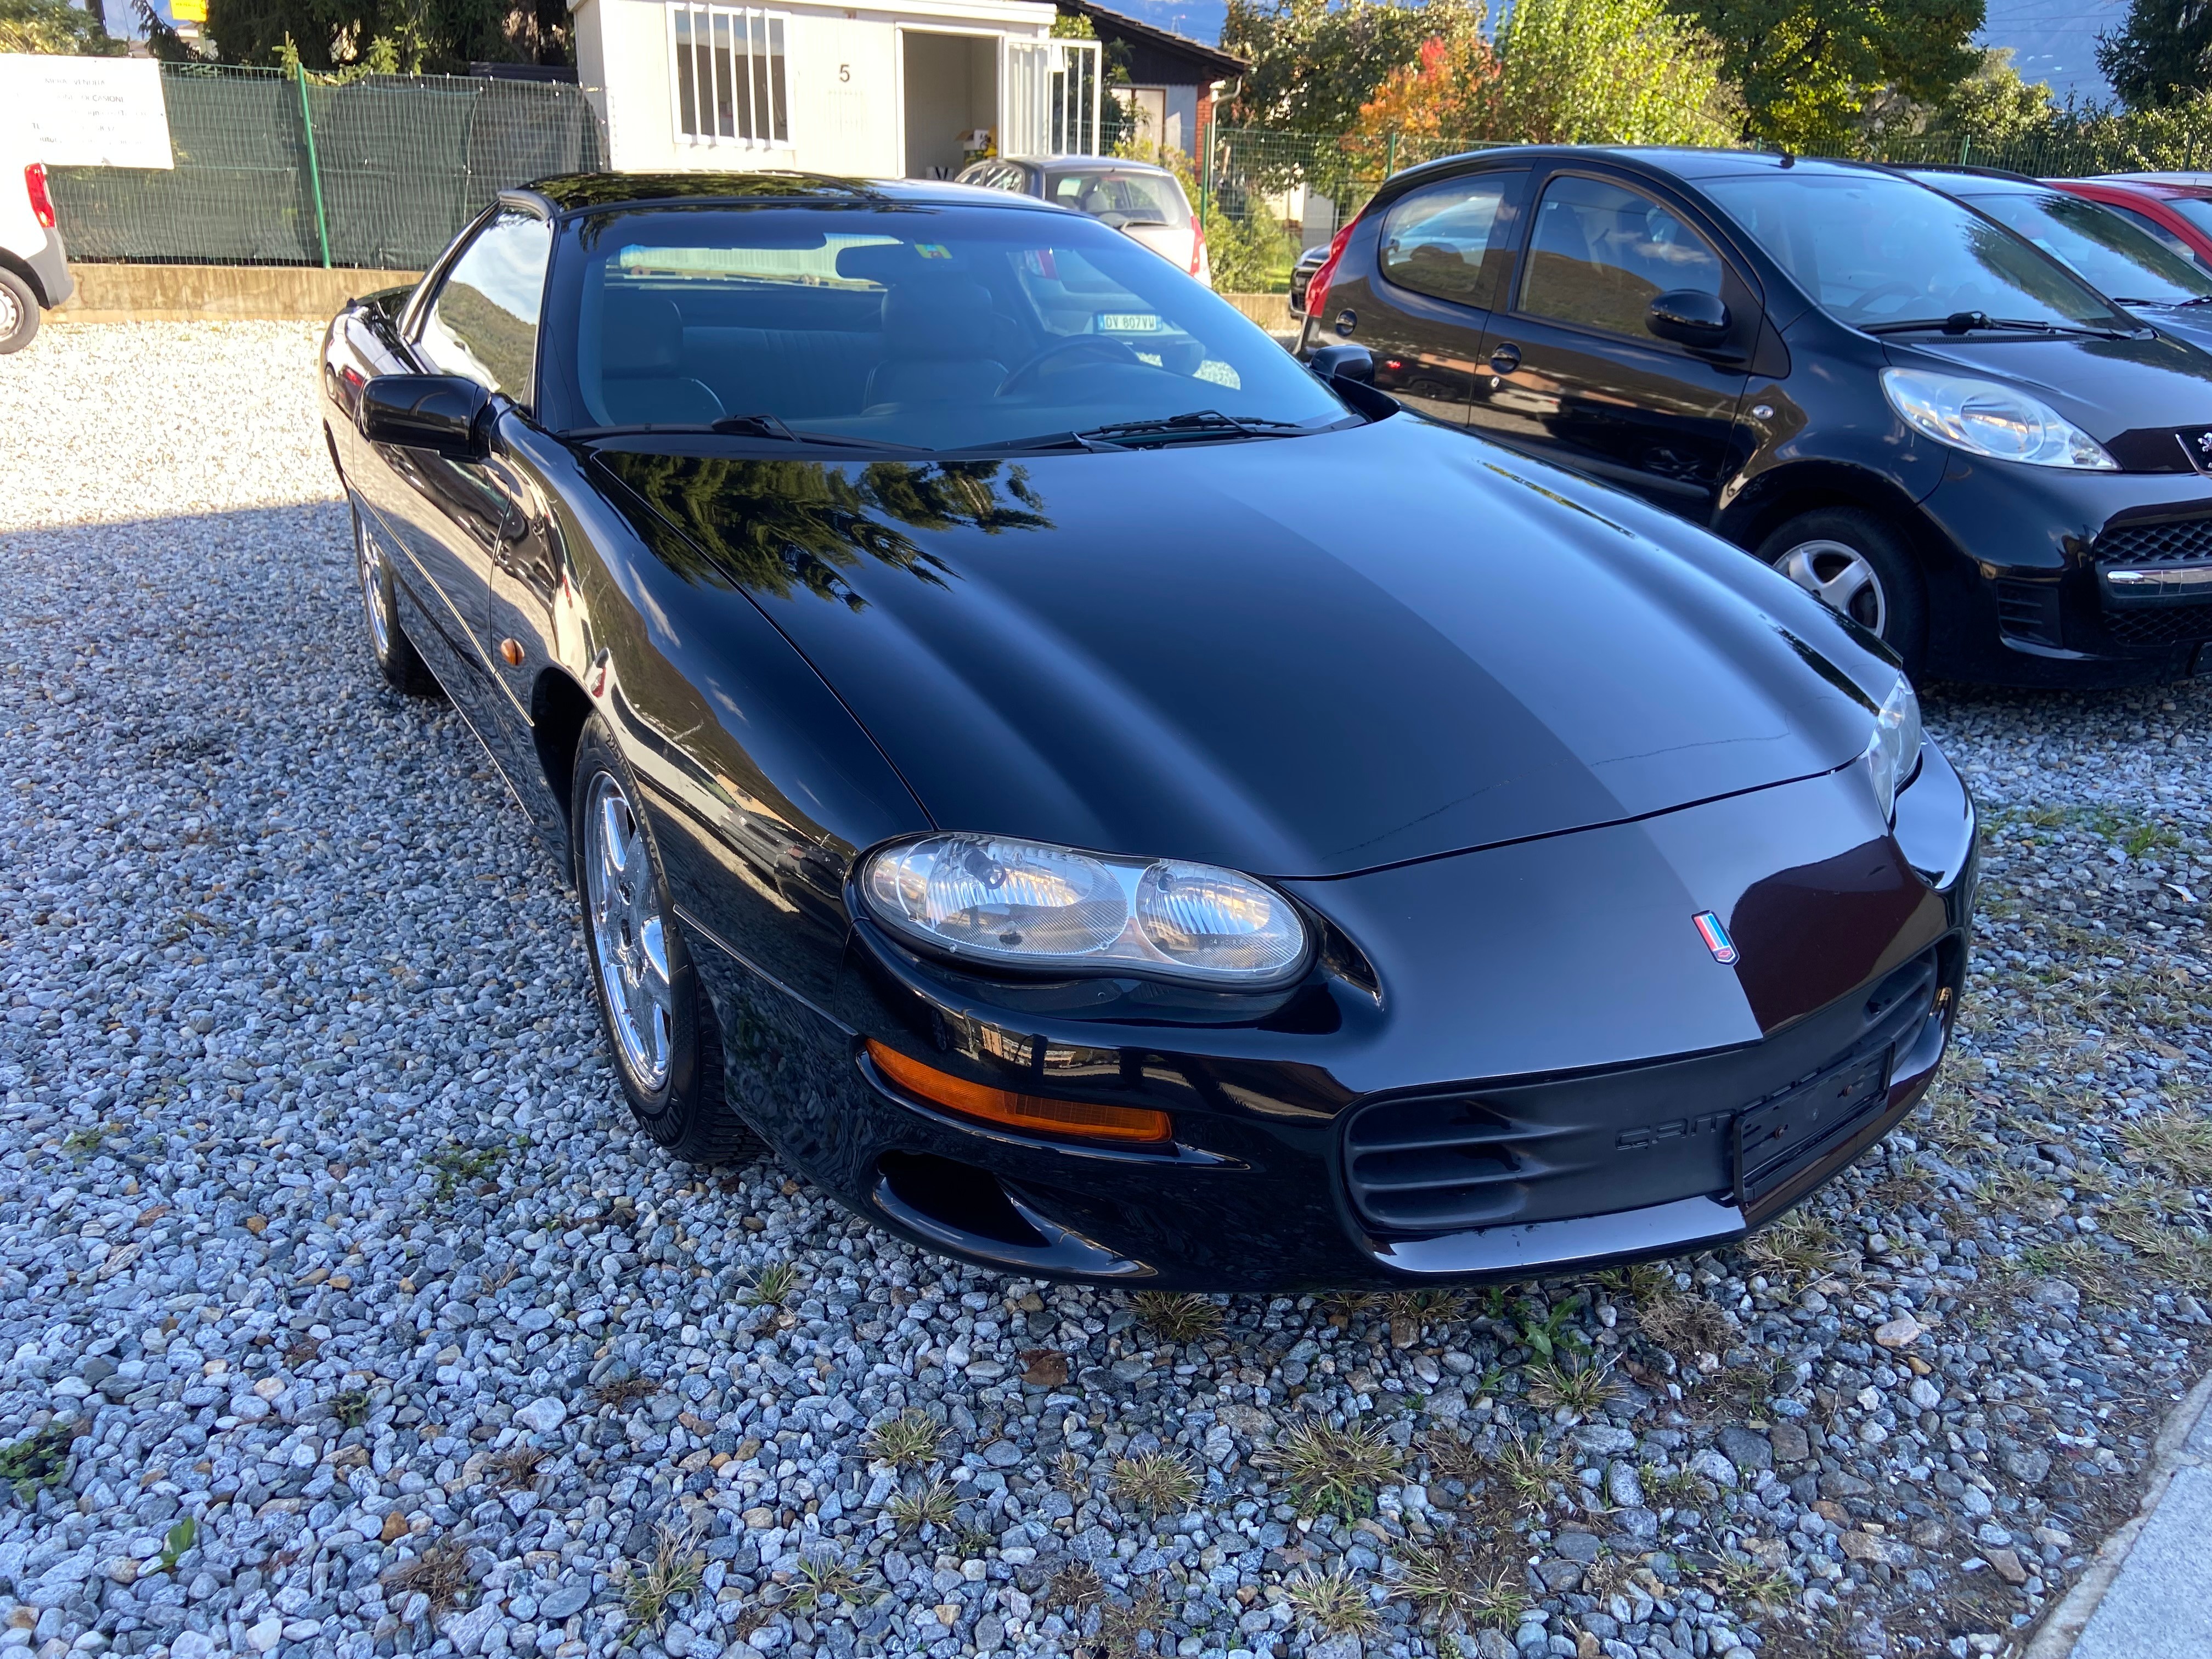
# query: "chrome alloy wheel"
x,y
629,941
1839,575
375,588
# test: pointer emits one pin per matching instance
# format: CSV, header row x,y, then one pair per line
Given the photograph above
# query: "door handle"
x,y
1506,358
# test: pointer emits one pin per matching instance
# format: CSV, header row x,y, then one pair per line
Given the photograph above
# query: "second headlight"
x,y
1030,904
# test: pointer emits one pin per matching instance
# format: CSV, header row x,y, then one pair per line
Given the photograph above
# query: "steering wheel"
x,y
1115,350
1881,290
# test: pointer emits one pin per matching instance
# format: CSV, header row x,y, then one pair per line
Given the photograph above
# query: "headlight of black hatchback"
x,y
990,899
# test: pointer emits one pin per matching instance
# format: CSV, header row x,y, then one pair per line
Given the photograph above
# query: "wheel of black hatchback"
x,y
397,659
1853,562
659,1018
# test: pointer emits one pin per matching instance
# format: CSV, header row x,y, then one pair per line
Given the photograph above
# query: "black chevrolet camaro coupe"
x,y
1104,801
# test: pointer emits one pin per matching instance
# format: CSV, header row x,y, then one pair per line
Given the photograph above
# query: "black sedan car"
x,y
1907,409
994,776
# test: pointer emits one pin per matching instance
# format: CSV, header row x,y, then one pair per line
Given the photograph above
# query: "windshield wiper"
x,y
744,426
1201,424
1975,322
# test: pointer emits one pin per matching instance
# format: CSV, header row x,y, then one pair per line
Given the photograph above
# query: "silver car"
x,y
1144,201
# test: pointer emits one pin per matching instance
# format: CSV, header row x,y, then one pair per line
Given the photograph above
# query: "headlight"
x,y
1985,418
1894,749
1030,904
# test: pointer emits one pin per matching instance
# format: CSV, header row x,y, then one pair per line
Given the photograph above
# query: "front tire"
x,y
1858,564
397,659
19,313
657,1017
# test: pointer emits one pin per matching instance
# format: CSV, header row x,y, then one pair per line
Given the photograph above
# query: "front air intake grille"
x,y
2028,611
2155,543
2174,624
1543,1149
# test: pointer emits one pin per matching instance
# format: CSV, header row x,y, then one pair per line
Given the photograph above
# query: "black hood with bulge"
x,y
1303,656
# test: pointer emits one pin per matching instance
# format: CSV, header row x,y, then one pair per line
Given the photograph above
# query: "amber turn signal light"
x,y
1033,1112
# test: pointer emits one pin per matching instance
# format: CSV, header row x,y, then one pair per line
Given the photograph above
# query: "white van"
x,y
34,273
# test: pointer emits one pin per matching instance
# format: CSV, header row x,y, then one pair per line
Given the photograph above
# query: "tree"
x,y
411,37
1447,93
55,27
1316,63
1816,74
2161,56
1609,71
1994,105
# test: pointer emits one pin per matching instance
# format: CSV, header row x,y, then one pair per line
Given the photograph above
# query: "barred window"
x,y
729,75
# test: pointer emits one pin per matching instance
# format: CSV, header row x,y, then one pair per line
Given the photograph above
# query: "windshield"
x,y
1120,198
2197,210
1872,248
2106,252
938,328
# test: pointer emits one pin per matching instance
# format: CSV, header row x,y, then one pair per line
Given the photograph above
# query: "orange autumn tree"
x,y
1447,90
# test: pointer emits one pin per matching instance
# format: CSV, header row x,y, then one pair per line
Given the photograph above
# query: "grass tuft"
x,y
516,1468
1334,1602
1158,1483
1452,1587
31,1465
824,1579
1801,1245
2179,1142
1176,1317
650,1588
772,1286
351,1408
1687,1326
1077,1586
438,1570
1580,1388
933,1504
623,1391
1336,1470
909,1441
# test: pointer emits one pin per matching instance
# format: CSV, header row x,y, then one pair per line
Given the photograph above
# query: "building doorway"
x,y
950,91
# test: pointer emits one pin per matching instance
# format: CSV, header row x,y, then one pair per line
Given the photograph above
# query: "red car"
x,y
2174,207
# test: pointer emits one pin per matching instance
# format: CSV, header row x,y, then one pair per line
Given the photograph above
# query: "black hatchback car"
x,y
1901,404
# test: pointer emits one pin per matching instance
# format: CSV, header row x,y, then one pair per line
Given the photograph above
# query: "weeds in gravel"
x,y
1122,1624
624,1391
516,1468
1742,1581
1158,1483
438,1571
351,1408
459,1164
1581,1388
1801,1245
650,1587
2178,1142
1334,1470
909,1441
771,1286
177,1541
1688,1325
83,1143
1451,1586
1545,1331
1334,1602
1077,1586
1528,1471
1176,1317
1072,1475
823,1579
933,1504
42,1460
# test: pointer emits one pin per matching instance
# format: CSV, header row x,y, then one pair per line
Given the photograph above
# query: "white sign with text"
x,y
89,112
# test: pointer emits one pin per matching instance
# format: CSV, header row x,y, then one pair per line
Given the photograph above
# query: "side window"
x,y
1434,241
483,323
2167,239
1599,254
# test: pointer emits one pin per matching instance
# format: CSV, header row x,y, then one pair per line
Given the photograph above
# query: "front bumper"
x,y
1541,1023
2078,579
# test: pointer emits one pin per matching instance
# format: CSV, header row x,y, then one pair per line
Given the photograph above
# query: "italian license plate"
x,y
1776,1139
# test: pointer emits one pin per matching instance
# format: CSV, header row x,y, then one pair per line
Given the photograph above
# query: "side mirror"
x,y
1689,317
441,413
1344,362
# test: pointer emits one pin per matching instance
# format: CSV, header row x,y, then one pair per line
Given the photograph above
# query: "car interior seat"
x,y
939,343
641,379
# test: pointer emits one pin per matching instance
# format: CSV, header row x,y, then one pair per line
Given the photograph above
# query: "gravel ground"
x,y
341,1312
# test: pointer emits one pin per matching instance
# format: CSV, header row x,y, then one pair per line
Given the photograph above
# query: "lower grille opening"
x,y
956,1195
1423,1166
2028,611
2172,624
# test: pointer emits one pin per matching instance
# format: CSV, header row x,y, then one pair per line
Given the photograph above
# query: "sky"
x,y
2052,41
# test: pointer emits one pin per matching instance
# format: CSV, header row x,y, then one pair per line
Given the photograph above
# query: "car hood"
x,y
2104,386
1303,656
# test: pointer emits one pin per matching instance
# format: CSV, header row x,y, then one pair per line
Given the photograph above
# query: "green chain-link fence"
x,y
277,168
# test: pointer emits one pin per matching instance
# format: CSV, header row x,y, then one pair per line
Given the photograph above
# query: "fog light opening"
x,y
957,1197
1032,1114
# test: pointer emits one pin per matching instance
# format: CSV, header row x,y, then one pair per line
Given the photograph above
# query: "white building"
x,y
914,89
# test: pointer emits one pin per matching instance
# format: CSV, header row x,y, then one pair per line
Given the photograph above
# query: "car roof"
x,y
1949,178
587,193
1118,163
2150,184
1683,162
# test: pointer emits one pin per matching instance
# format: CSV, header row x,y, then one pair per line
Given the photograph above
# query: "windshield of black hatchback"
x,y
1872,248
906,326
